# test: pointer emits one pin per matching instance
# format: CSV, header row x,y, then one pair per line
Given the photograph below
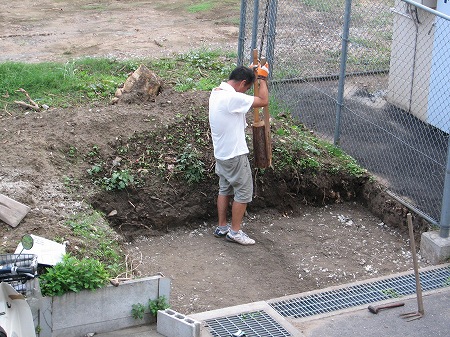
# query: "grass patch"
x,y
96,79
62,84
94,7
96,241
322,6
219,9
297,150
201,7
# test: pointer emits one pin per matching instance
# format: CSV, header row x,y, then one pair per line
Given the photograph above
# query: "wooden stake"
x,y
259,130
268,137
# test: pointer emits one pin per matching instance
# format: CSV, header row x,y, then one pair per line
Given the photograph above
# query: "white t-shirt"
x,y
227,110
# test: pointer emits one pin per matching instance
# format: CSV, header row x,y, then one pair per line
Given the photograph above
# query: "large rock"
x,y
141,86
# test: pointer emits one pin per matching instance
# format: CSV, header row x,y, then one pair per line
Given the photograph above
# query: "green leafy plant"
x,y
118,180
250,315
190,165
138,311
73,275
158,304
391,293
97,240
95,169
94,151
72,152
71,183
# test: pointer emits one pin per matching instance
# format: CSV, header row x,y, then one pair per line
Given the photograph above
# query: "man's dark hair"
x,y
243,73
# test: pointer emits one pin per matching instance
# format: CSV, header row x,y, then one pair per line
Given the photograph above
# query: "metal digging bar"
x,y
409,316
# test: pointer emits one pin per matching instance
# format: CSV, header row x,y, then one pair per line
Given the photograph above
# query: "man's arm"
x,y
262,99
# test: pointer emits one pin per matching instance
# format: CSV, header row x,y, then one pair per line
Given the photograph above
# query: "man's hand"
x,y
262,72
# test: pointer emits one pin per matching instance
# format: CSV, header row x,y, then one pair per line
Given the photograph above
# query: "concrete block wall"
x,y
102,310
173,324
434,248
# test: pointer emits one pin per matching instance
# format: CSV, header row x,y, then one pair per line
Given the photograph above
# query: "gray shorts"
x,y
235,177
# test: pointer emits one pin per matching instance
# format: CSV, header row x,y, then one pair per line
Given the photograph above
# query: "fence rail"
x,y
371,76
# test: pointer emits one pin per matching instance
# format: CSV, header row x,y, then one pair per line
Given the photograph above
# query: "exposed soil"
x,y
311,231
46,30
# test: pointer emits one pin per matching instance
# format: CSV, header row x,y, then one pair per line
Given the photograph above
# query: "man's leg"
x,y
235,234
222,208
237,214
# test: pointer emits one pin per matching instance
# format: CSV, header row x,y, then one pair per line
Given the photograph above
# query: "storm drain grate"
x,y
362,294
253,324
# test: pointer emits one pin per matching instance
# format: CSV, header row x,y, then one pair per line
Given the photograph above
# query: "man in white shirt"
x,y
228,106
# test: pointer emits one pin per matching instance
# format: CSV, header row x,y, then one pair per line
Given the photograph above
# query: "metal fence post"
x,y
254,29
445,210
273,5
391,117
242,23
340,96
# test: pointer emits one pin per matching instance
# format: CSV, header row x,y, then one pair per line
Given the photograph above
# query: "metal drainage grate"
x,y
253,324
362,294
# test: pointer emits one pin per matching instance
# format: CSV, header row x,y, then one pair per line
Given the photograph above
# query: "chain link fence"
x,y
371,76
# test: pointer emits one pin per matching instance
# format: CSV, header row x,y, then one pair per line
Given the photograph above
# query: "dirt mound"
x,y
166,223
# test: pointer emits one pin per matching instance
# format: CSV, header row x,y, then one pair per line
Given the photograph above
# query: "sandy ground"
x,y
38,31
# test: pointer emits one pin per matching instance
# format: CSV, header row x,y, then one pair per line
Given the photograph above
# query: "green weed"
x,y
390,293
95,169
138,311
71,183
119,180
98,240
190,165
94,152
158,304
72,152
73,275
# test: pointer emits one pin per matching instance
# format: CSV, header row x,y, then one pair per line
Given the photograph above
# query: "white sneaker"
x,y
240,237
220,233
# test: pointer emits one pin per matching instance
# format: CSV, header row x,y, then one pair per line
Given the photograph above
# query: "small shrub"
x,y
137,311
159,304
73,275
